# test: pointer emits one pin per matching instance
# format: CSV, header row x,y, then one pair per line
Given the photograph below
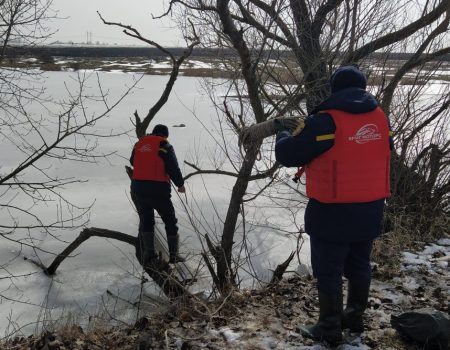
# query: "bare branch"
x,y
281,269
204,172
159,272
398,35
131,31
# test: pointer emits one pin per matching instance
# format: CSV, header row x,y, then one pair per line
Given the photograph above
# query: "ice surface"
x,y
80,287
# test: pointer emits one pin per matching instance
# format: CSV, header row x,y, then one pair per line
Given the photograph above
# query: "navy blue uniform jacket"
x,y
335,222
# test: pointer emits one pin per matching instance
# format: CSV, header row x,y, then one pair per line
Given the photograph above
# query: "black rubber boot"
x,y
147,248
328,328
352,317
173,242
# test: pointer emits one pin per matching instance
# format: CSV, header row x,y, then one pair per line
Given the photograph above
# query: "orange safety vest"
x,y
147,163
357,167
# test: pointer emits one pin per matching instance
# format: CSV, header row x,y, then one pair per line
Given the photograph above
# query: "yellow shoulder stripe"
x,y
163,150
325,137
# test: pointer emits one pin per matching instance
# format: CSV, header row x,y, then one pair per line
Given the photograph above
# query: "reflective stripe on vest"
x,y
357,167
147,163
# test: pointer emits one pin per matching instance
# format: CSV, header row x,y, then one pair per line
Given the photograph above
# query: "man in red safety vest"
x,y
155,165
345,151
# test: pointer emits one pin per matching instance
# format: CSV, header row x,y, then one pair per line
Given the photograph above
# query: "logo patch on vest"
x,y
145,148
366,133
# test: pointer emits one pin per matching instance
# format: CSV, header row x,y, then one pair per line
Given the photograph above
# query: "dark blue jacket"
x,y
172,169
335,221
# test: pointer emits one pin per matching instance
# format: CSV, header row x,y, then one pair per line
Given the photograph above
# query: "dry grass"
x,y
407,233
50,67
387,253
380,80
206,73
388,248
283,71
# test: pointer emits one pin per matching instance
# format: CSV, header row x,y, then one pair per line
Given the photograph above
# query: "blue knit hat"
x,y
347,77
161,130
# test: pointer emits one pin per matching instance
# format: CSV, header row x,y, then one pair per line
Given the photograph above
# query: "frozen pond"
x,y
79,289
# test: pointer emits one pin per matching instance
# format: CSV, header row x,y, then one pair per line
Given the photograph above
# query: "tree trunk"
x,y
224,255
160,272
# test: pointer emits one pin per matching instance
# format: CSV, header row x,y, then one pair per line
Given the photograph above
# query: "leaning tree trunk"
x,y
160,272
224,254
225,273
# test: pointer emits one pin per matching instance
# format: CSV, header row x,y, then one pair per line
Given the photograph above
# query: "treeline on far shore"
x,y
138,51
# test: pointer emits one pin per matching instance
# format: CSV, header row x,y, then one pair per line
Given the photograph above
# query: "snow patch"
x,y
444,242
200,64
229,334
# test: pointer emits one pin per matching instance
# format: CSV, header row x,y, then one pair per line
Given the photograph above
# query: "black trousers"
x,y
148,200
341,236
332,260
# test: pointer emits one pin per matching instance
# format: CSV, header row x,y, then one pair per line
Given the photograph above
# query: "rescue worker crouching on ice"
x,y
345,149
155,165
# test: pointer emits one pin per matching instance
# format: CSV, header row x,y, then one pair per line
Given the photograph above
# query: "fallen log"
x,y
160,271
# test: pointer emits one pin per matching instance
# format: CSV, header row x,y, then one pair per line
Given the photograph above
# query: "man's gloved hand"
x,y
129,171
282,124
279,125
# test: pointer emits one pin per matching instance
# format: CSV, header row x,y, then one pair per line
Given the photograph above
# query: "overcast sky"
x,y
80,17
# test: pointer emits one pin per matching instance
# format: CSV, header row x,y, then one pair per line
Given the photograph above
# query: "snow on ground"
x,y
199,64
159,66
125,64
268,318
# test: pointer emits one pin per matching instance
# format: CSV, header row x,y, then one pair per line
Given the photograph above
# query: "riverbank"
x,y
268,318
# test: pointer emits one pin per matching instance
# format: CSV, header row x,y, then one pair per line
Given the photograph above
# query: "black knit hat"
x,y
347,77
160,130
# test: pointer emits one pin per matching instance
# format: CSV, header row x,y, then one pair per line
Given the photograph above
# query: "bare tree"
x,y
35,138
161,272
286,51
61,131
23,22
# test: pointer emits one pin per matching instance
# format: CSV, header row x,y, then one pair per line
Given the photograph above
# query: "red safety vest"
x,y
357,167
147,163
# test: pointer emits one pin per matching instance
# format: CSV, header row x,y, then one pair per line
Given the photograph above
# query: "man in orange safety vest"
x,y
155,165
